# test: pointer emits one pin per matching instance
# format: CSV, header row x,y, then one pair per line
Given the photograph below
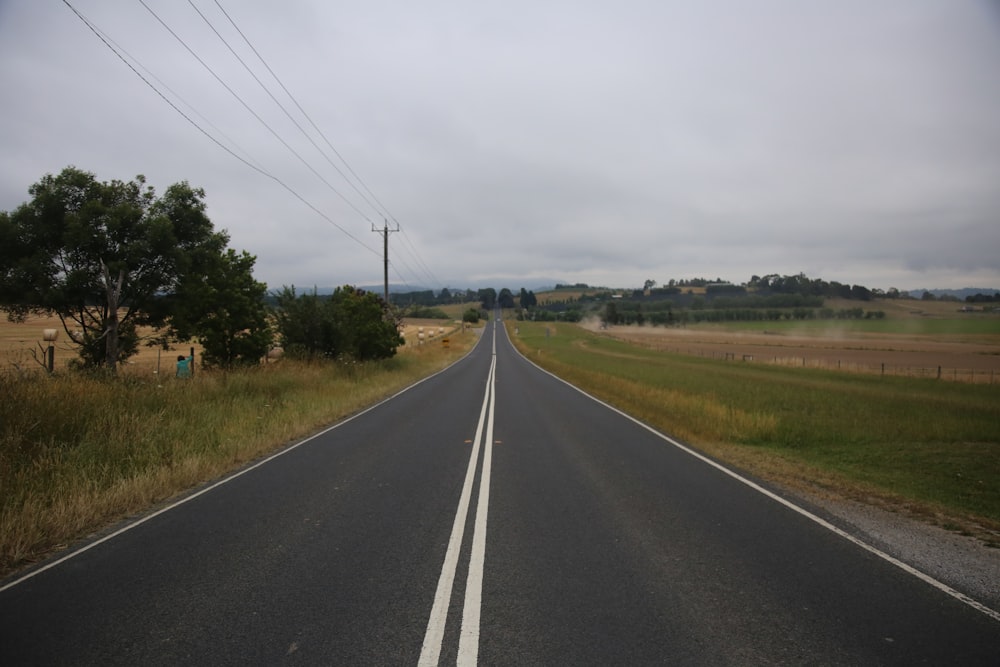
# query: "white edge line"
x,y
909,569
239,473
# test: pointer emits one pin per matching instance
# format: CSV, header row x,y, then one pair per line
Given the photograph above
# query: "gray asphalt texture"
x,y
606,545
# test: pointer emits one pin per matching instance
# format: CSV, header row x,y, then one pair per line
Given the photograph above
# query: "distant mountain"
x,y
958,293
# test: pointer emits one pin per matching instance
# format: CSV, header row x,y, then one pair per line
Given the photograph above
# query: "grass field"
x,y
938,343
925,445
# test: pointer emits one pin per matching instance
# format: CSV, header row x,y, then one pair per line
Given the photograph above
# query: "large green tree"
x,y
528,299
224,307
488,298
506,298
350,323
106,257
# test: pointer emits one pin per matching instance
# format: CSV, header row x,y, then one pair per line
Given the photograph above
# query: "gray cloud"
x,y
590,141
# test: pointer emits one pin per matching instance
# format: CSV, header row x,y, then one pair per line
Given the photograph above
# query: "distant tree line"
x,y
801,284
627,313
429,298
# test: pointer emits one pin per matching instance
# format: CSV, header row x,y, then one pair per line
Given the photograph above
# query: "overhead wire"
x,y
101,36
384,211
129,57
281,106
419,259
249,160
265,124
381,208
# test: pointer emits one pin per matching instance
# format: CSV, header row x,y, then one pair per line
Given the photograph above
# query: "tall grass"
x,y
78,451
931,445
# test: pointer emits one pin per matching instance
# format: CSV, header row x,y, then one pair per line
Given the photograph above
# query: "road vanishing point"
x,y
491,514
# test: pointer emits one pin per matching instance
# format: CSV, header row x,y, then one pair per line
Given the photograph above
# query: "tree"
x,y
367,329
301,324
611,315
102,256
506,298
528,299
351,323
224,307
488,298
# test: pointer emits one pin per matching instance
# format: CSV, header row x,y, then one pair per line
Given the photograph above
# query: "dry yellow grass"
x,y
20,348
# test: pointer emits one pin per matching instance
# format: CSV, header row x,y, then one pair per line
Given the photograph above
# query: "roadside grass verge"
x,y
78,452
922,446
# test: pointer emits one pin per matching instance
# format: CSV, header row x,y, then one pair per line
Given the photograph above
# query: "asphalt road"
x,y
490,514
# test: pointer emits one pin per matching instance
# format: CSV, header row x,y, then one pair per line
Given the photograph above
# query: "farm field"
x,y
19,347
909,341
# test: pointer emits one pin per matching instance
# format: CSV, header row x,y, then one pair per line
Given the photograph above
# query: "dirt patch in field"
x,y
878,353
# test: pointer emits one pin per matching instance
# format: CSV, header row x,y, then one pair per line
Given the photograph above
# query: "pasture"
x,y
914,340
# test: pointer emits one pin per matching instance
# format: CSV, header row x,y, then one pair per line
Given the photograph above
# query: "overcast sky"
x,y
525,142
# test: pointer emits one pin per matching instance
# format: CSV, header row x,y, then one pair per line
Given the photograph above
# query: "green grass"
x,y
916,441
77,452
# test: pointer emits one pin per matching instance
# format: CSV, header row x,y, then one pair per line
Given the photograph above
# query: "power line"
x,y
384,210
100,35
410,248
280,105
256,115
129,57
419,259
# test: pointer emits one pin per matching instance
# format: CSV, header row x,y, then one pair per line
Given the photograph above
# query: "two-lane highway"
x,y
490,514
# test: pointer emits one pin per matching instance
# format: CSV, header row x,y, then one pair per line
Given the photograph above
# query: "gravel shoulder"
x,y
962,562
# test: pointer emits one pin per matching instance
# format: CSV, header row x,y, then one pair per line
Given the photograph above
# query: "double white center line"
x,y
468,643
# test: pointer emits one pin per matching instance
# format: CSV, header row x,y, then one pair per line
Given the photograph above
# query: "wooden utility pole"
x,y
385,231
